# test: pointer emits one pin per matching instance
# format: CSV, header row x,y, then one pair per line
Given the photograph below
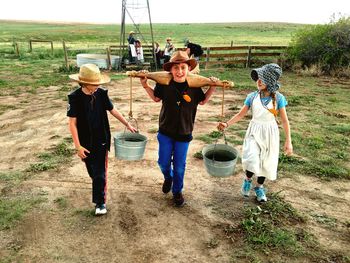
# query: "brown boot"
x,y
179,200
167,185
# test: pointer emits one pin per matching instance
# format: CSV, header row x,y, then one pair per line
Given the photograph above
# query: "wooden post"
x,y
207,58
249,57
30,45
109,61
65,54
231,43
15,46
52,47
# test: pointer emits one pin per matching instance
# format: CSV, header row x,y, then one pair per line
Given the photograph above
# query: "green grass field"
x,y
204,34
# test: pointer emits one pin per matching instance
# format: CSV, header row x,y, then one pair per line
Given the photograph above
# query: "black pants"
x,y
96,165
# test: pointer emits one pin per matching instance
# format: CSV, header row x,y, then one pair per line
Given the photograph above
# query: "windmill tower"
x,y
136,9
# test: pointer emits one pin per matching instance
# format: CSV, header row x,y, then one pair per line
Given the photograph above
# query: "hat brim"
x,y
190,62
103,80
256,74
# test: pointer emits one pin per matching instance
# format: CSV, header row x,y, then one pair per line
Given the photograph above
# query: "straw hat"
x,y
131,32
180,57
90,74
168,39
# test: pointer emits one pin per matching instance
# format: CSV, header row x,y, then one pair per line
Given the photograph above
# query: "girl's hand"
x,y
222,126
81,152
131,128
288,148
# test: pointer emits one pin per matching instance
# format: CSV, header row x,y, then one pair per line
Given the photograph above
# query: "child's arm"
x,y
208,94
288,147
149,89
121,118
210,91
223,125
74,131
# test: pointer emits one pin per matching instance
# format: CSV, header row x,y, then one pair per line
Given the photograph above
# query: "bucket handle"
x,y
137,126
216,142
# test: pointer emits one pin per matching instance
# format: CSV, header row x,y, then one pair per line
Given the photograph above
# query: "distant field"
x,y
206,34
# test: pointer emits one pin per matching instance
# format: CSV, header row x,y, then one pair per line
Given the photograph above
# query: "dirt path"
x,y
142,225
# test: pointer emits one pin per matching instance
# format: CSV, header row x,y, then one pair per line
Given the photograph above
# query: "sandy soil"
x,y
142,225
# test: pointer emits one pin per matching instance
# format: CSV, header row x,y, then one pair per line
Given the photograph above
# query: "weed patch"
x,y
12,210
59,154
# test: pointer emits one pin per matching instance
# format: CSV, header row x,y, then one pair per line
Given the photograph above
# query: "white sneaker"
x,y
101,210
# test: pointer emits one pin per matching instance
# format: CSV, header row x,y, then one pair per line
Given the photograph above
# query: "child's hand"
x,y
144,79
288,148
81,152
222,126
131,128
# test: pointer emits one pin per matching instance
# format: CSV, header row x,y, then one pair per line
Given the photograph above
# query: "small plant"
x,y
69,69
61,202
198,155
212,243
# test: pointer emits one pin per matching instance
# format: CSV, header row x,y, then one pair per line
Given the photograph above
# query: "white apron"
x,y
261,142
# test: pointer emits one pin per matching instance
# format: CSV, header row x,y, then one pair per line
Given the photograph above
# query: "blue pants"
x,y
96,165
172,160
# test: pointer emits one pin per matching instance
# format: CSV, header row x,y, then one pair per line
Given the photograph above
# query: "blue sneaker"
x,y
260,194
246,186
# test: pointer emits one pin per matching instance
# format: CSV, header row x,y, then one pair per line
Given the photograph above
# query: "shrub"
x,y
325,46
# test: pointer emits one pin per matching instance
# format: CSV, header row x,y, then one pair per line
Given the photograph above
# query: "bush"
x,y
324,46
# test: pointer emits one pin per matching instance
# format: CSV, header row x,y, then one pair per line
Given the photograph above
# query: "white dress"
x,y
261,142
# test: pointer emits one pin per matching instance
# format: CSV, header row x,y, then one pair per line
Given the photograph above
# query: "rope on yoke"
x,y
130,111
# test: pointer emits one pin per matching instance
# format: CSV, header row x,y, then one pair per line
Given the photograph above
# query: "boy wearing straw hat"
x,y
176,121
89,126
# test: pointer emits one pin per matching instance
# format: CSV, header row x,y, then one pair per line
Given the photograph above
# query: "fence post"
x,y
249,57
65,54
52,47
231,43
15,46
109,58
30,45
207,58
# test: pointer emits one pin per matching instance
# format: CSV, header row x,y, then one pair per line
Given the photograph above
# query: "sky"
x,y
178,11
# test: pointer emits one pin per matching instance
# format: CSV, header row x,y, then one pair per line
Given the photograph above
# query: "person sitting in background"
x,y
139,51
131,47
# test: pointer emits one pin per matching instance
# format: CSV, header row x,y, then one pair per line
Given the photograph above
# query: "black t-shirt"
x,y
92,120
177,116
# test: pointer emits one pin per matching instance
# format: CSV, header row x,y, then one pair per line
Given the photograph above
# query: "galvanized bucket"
x,y
220,159
129,146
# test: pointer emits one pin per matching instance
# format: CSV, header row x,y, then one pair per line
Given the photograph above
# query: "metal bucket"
x,y
129,146
220,159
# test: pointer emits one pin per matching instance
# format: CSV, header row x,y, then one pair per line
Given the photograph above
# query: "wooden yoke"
x,y
193,80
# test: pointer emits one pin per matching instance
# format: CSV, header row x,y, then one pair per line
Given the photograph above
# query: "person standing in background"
x,y
168,50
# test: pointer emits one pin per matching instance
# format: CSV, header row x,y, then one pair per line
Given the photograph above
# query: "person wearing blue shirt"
x,y
261,142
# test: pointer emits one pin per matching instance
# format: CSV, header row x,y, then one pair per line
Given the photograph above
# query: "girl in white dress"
x,y
261,142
